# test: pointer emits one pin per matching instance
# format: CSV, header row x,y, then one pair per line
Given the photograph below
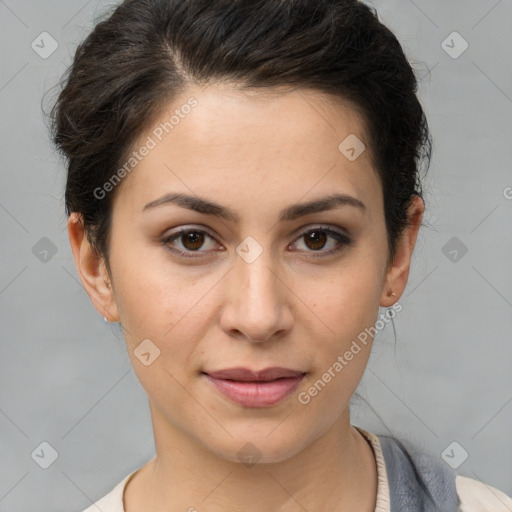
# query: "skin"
x,y
255,154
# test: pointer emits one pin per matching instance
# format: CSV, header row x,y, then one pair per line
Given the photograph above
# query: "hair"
x,y
146,52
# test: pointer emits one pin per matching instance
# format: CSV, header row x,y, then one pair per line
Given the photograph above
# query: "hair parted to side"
x,y
146,52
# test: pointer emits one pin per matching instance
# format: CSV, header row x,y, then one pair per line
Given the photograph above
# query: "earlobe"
x,y
92,270
398,272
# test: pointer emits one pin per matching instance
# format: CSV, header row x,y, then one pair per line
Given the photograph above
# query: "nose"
x,y
257,300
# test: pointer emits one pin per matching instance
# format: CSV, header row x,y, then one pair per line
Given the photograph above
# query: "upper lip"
x,y
245,374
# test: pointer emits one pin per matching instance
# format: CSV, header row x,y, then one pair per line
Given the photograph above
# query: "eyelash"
x,y
342,239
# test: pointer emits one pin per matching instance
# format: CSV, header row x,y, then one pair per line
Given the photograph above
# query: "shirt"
x,y
474,496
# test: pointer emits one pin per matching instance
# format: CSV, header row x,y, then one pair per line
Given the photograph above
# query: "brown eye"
x,y
192,240
186,242
316,239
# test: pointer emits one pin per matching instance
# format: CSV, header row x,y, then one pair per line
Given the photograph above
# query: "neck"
x,y
336,472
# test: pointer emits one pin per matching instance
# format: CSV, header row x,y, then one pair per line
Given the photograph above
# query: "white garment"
x,y
474,495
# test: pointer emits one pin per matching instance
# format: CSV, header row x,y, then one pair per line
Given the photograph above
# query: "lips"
x,y
246,375
251,388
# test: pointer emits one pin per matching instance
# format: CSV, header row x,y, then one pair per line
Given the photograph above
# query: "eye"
x,y
190,239
315,239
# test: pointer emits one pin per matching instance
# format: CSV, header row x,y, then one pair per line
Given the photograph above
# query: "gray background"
x,y
65,377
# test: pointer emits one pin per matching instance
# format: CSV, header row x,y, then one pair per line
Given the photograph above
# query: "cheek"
x,y
343,342
155,297
342,309
343,303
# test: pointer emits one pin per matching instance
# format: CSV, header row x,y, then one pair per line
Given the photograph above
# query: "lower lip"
x,y
256,394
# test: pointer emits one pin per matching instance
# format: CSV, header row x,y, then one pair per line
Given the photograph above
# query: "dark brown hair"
x,y
145,52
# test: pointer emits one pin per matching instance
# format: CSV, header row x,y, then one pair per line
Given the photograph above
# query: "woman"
x,y
243,196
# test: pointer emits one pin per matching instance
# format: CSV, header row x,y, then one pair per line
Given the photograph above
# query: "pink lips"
x,y
256,388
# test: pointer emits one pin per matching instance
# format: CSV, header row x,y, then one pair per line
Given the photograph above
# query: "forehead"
x,y
221,141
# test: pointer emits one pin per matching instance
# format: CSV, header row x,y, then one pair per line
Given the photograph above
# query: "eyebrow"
x,y
290,213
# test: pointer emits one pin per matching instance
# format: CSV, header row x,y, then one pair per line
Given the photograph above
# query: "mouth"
x,y
247,375
251,388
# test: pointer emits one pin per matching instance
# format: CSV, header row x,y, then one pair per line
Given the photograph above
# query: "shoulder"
x,y
476,496
113,501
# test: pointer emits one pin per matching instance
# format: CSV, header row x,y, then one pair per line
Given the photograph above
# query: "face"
x,y
255,280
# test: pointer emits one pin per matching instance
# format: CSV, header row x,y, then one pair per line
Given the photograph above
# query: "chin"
x,y
254,447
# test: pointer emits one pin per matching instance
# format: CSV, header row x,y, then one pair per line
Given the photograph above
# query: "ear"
x,y
398,271
92,270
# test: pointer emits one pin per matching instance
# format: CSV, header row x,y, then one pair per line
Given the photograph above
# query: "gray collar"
x,y
418,481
